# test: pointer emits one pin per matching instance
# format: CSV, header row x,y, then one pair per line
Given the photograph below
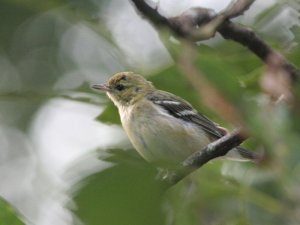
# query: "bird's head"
x,y
125,88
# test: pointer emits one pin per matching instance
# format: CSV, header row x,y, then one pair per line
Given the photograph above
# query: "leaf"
x,y
227,69
126,194
122,155
109,115
8,215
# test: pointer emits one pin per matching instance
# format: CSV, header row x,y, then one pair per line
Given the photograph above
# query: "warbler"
x,y
161,126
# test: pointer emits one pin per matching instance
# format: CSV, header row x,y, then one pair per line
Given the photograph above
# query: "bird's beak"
x,y
101,87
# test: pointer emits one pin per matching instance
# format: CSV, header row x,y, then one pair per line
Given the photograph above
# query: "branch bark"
x,y
249,39
197,24
214,150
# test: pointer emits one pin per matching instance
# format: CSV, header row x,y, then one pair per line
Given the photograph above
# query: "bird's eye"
x,y
120,87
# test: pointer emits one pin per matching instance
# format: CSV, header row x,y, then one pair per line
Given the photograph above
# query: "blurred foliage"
x,y
34,59
109,115
126,193
8,215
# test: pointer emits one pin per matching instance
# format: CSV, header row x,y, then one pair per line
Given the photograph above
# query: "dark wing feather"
x,y
180,108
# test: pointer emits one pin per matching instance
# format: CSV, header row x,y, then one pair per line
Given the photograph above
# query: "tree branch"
x,y
214,150
249,39
200,23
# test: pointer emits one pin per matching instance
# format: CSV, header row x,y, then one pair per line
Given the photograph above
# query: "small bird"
x,y
164,128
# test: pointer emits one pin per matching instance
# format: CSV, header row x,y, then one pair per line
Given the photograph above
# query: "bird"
x,y
164,128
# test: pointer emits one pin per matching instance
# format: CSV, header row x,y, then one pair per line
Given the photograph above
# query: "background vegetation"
x,y
62,148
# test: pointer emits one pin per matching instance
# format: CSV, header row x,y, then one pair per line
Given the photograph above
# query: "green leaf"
x,y
126,194
121,155
109,115
8,215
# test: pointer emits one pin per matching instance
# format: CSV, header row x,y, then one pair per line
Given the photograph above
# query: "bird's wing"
x,y
181,109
